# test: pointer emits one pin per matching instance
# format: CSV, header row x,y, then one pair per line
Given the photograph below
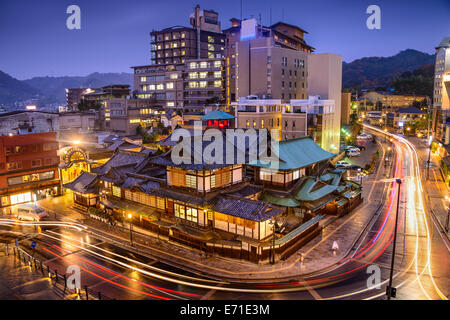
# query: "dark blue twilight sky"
x,y
114,35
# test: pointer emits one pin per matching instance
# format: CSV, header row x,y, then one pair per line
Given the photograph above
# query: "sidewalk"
x,y
434,187
19,282
317,253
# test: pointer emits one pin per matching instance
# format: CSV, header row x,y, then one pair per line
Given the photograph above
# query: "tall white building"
x,y
441,94
325,80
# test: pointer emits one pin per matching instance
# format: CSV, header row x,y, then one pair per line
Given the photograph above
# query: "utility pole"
x,y
391,292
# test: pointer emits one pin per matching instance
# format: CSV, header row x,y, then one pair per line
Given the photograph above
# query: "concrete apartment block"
x,y
325,80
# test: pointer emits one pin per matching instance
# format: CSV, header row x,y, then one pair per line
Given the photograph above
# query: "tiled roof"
x,y
217,115
248,209
299,153
121,158
280,201
85,183
410,110
199,143
188,198
312,190
246,191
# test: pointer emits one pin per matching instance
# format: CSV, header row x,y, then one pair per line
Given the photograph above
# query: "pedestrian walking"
x,y
335,247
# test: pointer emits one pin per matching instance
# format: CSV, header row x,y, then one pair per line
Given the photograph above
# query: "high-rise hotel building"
x,y
266,61
441,94
204,40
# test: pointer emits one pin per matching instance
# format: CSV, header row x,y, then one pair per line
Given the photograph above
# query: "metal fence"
x,y
59,281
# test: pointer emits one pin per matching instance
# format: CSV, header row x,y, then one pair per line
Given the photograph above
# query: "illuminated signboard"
x,y
248,29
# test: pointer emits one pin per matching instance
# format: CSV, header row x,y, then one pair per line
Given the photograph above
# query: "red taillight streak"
x,y
125,277
110,281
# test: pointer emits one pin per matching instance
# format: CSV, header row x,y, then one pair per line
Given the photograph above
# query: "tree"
x,y
353,118
83,105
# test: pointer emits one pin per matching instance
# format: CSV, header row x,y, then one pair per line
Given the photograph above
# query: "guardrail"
x,y
59,281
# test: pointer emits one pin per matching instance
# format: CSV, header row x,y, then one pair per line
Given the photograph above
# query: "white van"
x,y
28,212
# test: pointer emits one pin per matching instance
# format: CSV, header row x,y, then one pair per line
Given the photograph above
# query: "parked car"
x,y
353,153
343,164
353,149
28,212
360,147
354,167
364,136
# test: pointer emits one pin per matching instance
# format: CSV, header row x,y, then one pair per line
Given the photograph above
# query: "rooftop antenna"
x,y
270,19
241,10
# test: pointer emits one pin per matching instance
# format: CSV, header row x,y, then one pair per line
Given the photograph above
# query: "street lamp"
x,y
130,216
389,290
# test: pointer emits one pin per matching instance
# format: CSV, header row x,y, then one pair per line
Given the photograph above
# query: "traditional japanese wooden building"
x,y
218,207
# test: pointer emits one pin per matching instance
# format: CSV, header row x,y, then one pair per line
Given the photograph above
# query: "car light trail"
x,y
132,260
122,276
76,226
108,280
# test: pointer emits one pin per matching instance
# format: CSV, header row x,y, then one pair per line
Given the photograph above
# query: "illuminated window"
x,y
171,104
191,214
210,55
143,79
210,39
183,35
217,64
217,74
217,84
160,86
116,191
173,76
183,53
135,120
193,84
169,85
203,75
192,65
210,47
203,84
193,75
151,87
203,64
191,181
183,43
14,165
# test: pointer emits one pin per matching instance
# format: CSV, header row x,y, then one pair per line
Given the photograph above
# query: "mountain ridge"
x,y
365,72
376,71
